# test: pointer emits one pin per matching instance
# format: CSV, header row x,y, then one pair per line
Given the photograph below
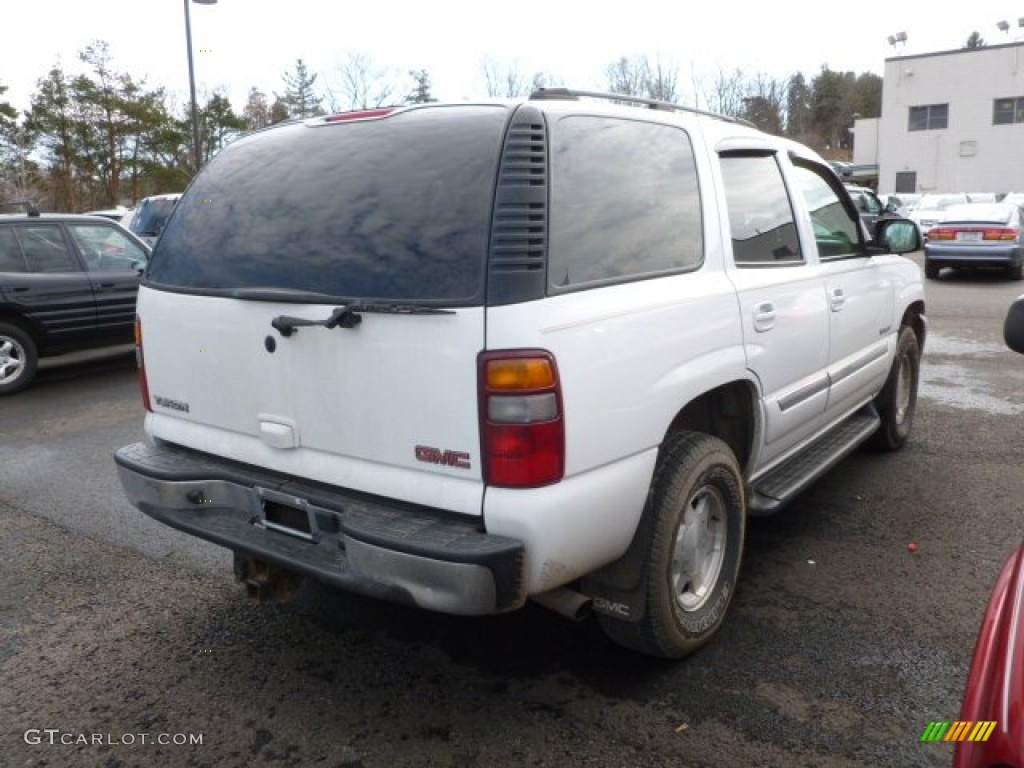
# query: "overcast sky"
x,y
242,43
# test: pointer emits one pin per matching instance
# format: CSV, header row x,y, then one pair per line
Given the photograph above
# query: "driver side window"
x,y
835,232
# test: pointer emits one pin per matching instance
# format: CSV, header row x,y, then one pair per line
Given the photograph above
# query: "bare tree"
x,y
629,76
360,84
725,93
637,76
504,80
662,81
256,112
765,102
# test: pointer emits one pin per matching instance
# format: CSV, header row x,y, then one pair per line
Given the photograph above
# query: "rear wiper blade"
x,y
282,294
349,316
399,309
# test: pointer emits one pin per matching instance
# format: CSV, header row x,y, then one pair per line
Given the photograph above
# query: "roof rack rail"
x,y
28,205
568,93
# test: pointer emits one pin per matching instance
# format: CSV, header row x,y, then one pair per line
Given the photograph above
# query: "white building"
x,y
952,121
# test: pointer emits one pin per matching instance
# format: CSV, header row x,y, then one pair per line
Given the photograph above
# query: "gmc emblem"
x,y
456,459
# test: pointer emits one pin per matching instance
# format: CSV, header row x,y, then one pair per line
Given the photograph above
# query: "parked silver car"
x,y
976,235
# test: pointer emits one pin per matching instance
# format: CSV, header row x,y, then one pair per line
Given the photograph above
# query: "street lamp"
x,y
197,154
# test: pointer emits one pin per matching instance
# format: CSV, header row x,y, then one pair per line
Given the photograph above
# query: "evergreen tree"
x,y
421,91
278,111
51,119
798,107
219,125
299,95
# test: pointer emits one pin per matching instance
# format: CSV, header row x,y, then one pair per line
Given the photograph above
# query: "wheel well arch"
x,y
914,317
729,413
22,322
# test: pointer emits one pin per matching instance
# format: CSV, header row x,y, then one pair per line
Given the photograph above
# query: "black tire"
x,y
18,359
688,593
931,271
1017,272
897,401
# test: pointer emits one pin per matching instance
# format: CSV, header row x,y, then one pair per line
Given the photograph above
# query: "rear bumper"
x,y
953,255
377,547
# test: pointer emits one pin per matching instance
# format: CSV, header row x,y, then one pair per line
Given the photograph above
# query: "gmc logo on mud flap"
x,y
429,455
603,605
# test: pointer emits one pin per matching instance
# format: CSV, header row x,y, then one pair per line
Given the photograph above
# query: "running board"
x,y
774,490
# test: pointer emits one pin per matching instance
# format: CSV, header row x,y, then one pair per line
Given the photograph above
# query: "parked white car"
x,y
467,355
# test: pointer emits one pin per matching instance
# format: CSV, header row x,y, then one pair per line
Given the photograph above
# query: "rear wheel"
x,y
1017,271
697,509
931,271
897,401
18,359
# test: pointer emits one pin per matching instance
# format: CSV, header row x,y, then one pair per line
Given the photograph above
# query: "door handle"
x,y
764,317
837,300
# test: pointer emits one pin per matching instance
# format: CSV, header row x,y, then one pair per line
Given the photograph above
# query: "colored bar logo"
x,y
959,730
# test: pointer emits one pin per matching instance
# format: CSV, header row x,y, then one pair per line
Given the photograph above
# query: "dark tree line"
x,y
819,113
98,137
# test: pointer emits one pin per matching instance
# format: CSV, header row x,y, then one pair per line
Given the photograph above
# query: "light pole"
x,y
196,151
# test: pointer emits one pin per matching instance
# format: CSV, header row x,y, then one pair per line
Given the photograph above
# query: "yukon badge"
x,y
446,458
174,405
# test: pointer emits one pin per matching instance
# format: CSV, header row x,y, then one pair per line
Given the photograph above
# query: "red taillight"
x,y
362,114
1001,233
522,431
141,360
968,234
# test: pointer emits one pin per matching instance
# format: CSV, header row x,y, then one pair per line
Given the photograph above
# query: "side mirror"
x,y
897,235
1013,327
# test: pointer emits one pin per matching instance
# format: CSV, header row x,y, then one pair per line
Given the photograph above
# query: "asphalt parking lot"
x,y
117,634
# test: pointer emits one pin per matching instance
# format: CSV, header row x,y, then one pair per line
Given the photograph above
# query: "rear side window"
x,y
760,214
45,248
624,201
11,259
396,208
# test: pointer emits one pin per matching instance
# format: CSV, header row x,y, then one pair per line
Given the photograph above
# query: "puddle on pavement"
x,y
959,386
936,344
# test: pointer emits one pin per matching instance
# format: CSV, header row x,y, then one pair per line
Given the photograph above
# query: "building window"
x,y
931,117
1008,111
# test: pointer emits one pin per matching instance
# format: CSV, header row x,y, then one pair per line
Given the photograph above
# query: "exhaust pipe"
x,y
567,602
265,581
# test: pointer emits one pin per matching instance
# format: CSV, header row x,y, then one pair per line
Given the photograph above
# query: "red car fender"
x,y
995,683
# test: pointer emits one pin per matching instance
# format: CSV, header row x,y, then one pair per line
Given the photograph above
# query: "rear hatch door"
x,y
315,306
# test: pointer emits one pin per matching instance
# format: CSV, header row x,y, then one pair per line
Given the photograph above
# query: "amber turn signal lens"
x,y
520,373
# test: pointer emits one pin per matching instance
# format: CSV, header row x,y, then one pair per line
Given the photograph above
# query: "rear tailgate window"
x,y
392,208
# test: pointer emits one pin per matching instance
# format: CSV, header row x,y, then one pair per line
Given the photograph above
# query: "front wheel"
x,y
897,401
696,507
18,359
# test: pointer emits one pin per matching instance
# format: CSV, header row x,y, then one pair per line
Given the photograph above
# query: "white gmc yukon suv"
x,y
462,356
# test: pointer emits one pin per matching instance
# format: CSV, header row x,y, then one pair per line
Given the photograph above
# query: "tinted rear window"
x,y
392,208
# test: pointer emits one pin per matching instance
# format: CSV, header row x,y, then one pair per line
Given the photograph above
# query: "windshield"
x,y
939,202
153,215
391,208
